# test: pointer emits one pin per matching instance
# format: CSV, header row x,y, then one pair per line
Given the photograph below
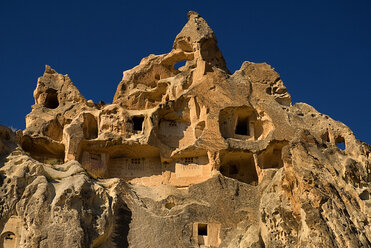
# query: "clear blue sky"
x,y
321,48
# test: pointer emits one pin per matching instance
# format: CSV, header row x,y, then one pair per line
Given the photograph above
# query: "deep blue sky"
x,y
321,49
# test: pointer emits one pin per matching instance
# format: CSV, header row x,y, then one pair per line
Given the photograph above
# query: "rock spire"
x,y
189,156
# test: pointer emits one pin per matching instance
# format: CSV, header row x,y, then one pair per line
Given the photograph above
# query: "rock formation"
x,y
184,157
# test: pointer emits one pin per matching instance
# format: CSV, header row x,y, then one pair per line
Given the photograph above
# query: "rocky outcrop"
x,y
189,156
7,141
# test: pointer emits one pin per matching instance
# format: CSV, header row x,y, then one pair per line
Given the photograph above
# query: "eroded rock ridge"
x,y
184,157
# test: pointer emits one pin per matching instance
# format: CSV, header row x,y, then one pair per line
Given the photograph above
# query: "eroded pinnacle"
x,y
197,36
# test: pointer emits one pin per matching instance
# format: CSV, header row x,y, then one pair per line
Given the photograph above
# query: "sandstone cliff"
x,y
184,157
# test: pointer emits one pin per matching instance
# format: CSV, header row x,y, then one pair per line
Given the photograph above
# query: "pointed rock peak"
x,y
194,31
53,89
49,70
197,37
192,13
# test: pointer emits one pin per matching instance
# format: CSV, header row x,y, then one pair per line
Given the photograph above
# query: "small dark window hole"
x,y
172,124
135,161
188,160
202,229
242,127
51,100
138,123
364,195
169,205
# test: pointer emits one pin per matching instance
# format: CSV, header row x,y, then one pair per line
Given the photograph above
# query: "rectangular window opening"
x,y
202,229
172,124
242,127
135,161
138,123
188,160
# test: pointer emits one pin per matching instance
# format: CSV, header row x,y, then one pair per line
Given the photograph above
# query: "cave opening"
x,y
51,100
340,142
240,166
242,126
122,227
90,127
202,229
138,123
271,158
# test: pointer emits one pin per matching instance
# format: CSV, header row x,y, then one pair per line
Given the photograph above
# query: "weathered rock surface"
x,y
187,157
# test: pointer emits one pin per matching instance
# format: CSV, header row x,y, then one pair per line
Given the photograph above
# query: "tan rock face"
x,y
7,141
184,157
